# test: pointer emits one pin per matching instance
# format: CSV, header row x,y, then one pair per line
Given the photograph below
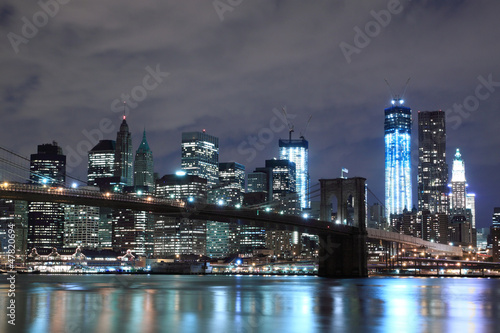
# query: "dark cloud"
x,y
228,76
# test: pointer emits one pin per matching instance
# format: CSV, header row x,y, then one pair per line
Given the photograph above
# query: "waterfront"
x,y
180,303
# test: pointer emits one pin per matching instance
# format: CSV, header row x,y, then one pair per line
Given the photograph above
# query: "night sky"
x,y
230,66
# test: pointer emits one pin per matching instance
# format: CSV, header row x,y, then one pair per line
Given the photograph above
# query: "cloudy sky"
x,y
229,66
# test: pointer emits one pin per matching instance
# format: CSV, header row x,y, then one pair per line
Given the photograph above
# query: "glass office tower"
x,y
297,151
397,127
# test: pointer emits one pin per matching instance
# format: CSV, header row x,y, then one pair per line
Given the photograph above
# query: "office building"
x,y
200,156
81,226
123,154
495,234
46,219
101,161
432,167
180,235
143,167
297,151
397,128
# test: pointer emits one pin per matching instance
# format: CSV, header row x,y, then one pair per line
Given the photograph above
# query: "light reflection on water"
x,y
219,304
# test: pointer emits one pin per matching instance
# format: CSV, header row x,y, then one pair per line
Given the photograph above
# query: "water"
x,y
220,304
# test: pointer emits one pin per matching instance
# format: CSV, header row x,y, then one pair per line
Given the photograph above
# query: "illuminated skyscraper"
x,y
123,154
297,151
143,166
101,161
432,167
46,219
397,127
458,183
200,156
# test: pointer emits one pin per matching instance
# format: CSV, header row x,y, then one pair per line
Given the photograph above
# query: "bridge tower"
x,y
344,254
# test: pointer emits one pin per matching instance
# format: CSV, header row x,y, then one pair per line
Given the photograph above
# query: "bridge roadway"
x,y
178,208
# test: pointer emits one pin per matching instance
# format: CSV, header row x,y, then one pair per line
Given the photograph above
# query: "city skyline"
x,y
64,84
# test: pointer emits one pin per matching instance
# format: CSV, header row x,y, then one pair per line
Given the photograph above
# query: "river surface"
x,y
220,304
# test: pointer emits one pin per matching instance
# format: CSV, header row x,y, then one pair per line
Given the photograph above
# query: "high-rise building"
x,y
495,234
458,184
432,167
180,235
81,226
200,156
461,230
143,166
222,237
397,127
13,212
46,219
123,154
48,165
101,161
297,151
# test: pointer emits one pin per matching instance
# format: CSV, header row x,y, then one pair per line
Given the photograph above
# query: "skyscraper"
x,y
101,161
432,167
461,230
123,154
297,151
46,219
200,156
458,183
143,166
397,127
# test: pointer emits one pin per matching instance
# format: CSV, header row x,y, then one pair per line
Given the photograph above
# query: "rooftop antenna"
x,y
302,136
124,109
290,127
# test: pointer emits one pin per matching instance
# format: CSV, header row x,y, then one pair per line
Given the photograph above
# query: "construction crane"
x,y
290,126
397,98
302,135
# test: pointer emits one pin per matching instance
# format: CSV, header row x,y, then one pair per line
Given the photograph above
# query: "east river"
x,y
220,304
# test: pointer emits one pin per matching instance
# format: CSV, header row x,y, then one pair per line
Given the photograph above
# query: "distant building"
x,y
124,167
200,156
397,127
81,226
46,219
297,151
180,235
495,234
432,167
461,230
144,166
101,161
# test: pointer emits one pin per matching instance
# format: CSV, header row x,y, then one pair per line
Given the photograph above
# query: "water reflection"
x,y
73,304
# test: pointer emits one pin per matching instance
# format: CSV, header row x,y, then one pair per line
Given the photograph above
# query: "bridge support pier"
x,y
342,256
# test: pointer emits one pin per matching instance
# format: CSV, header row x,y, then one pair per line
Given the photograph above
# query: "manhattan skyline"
x,y
232,76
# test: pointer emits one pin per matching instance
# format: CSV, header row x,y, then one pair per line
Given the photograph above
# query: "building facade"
x,y
432,167
144,166
297,151
101,161
46,219
397,128
200,156
124,167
